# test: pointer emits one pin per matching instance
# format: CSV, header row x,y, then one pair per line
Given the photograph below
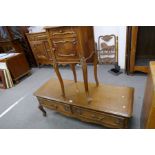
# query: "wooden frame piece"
x,y
107,50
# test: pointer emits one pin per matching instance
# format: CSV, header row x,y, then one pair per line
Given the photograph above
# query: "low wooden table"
x,y
111,106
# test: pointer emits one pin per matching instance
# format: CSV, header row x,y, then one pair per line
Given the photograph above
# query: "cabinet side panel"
x,y
147,102
151,123
88,41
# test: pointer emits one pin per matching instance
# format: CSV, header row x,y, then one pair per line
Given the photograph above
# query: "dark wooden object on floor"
x,y
17,66
148,108
111,106
72,45
140,49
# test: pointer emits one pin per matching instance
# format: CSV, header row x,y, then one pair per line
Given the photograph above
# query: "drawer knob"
x,y
67,108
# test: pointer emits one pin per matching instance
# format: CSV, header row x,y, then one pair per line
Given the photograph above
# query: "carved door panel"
x,y
65,48
65,44
47,49
41,49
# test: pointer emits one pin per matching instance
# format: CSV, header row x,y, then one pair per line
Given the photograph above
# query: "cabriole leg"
x,y
74,72
95,69
42,109
60,78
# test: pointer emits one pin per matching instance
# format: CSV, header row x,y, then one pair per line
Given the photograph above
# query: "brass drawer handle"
x,y
58,42
98,118
63,33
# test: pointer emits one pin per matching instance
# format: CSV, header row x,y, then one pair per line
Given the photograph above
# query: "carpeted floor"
x,y
19,108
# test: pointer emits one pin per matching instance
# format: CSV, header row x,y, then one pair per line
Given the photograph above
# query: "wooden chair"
x,y
67,48
107,54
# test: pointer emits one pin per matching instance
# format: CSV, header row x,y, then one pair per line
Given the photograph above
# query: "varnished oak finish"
x,y
133,48
148,108
40,47
111,106
71,45
17,65
143,69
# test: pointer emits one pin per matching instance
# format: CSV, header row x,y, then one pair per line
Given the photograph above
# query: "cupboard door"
x,y
41,51
65,48
65,43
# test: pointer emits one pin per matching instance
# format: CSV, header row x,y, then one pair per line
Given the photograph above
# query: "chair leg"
x,y
95,69
85,76
60,78
74,72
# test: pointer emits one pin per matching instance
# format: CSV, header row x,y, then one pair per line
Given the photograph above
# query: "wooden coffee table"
x,y
111,106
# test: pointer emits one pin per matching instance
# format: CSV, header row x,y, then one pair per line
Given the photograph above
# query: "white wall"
x,y
36,29
120,31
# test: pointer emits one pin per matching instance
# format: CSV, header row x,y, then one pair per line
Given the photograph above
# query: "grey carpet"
x,y
26,114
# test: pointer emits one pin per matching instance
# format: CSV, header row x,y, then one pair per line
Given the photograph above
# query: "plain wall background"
x,y
120,31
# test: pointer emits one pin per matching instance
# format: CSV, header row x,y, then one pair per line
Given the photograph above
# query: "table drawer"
x,y
61,107
47,103
102,118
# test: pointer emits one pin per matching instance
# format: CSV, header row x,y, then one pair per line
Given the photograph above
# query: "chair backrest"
x,y
108,49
